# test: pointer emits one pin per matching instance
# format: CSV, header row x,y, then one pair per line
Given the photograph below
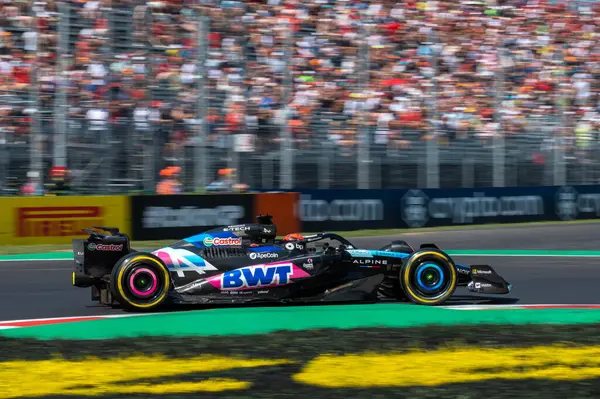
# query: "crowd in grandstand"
x,y
455,68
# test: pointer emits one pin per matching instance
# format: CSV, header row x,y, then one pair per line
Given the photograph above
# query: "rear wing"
x,y
96,230
96,255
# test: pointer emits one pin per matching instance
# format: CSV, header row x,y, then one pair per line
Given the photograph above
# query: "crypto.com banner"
x,y
421,208
345,210
424,208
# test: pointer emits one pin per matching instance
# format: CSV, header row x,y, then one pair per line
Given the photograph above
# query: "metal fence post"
x,y
286,159
499,150
150,154
36,159
558,148
4,158
432,157
432,148
60,101
200,152
363,159
327,154
110,136
558,160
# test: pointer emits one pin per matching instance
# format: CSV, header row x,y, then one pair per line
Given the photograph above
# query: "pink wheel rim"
x,y
143,293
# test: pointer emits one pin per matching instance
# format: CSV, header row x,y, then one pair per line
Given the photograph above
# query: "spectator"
x,y
97,118
409,70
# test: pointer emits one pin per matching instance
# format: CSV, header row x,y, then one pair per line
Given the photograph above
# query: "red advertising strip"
x,y
60,212
56,221
60,320
43,322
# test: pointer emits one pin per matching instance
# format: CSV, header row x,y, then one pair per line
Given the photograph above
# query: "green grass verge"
x,y
27,249
305,345
302,347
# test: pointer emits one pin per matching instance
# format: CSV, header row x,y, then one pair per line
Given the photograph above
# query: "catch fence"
x,y
139,102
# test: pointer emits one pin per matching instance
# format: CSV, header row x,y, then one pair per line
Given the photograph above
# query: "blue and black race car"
x,y
246,264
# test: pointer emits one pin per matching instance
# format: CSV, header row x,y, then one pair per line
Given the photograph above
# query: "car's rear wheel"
x,y
140,281
428,277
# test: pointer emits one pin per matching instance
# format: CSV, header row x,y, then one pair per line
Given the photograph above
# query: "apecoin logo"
x,y
269,255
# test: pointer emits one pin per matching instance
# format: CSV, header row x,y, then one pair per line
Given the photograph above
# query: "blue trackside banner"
x,y
424,208
344,210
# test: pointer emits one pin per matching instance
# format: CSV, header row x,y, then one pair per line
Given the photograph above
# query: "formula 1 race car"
x,y
246,263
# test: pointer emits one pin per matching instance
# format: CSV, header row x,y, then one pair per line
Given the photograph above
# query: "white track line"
x,y
524,306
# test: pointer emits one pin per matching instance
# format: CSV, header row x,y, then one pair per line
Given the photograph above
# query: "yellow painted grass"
x,y
119,376
139,374
451,366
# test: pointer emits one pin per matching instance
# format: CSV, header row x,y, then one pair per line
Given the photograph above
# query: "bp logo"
x,y
414,208
566,203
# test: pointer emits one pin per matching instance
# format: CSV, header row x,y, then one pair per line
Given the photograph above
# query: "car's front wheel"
x,y
428,277
140,281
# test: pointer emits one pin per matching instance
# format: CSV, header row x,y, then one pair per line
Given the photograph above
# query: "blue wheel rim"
x,y
422,275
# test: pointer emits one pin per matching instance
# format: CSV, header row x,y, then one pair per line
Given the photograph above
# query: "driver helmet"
x,y
294,237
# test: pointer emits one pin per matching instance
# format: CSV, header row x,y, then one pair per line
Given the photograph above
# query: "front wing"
x,y
482,279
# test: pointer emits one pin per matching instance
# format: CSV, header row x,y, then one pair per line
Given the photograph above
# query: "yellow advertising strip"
x,y
440,367
58,220
131,375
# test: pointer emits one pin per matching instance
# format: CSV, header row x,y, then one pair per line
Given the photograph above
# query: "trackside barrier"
x,y
344,210
58,220
158,217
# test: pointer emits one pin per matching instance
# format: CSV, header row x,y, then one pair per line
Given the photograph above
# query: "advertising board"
x,y
159,217
57,220
344,210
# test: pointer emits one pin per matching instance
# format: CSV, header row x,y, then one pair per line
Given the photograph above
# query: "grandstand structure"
x,y
299,94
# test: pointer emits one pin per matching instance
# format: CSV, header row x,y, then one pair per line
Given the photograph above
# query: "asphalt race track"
x,y
43,289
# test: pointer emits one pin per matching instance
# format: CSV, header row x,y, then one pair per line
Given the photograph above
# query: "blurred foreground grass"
x,y
498,362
